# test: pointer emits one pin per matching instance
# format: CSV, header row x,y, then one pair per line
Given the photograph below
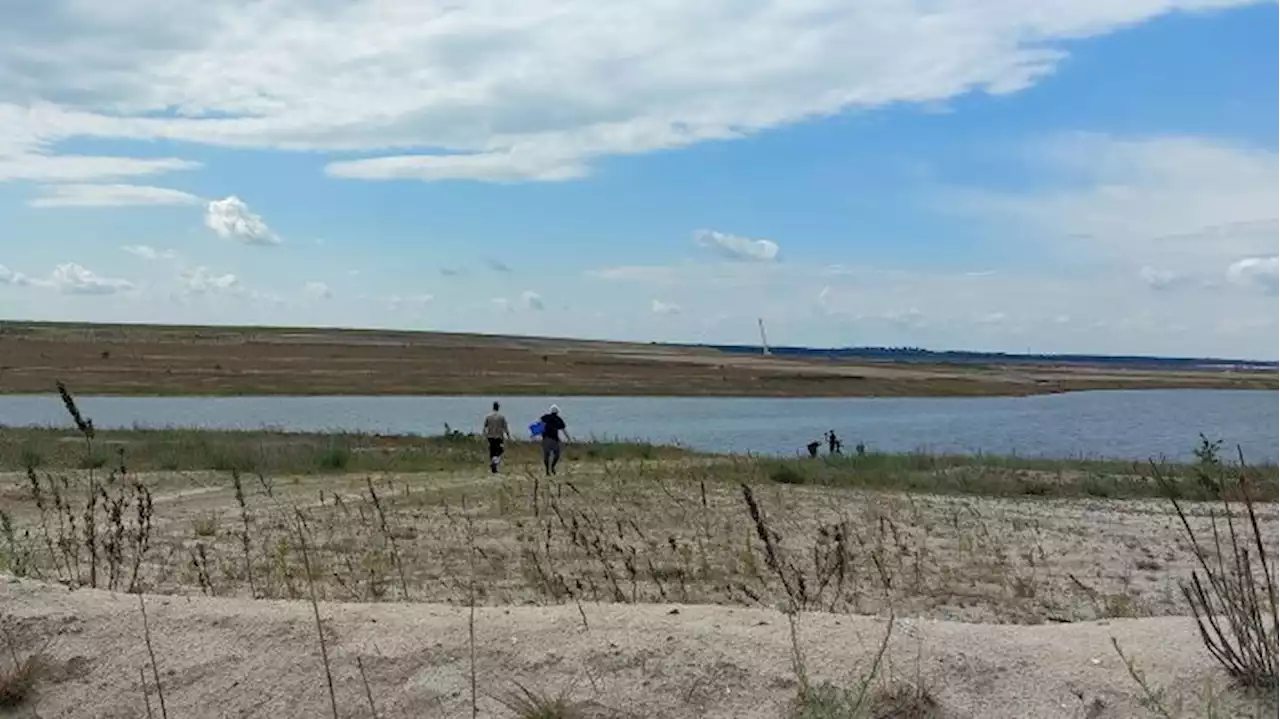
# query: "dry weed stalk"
x,y
245,546
315,608
1234,608
389,538
146,696
151,652
368,693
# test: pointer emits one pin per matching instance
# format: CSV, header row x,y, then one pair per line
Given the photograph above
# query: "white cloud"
x,y
231,218
76,168
317,291
1159,279
201,281
665,308
1260,272
397,302
498,91
81,195
532,300
737,248
73,279
148,252
12,277
1180,203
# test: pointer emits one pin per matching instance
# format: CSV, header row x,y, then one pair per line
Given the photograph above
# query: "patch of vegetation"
x,y
526,703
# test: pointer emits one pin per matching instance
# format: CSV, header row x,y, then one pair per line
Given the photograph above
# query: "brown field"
x,y
148,360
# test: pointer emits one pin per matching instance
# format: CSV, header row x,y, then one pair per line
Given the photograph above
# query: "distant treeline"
x,y
919,354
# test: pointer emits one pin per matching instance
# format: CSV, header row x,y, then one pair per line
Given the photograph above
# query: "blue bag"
x,y
537,428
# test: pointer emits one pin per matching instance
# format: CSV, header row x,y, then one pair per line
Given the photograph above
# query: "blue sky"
x,y
1080,176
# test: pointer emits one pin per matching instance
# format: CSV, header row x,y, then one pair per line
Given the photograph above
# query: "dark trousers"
x,y
550,454
496,448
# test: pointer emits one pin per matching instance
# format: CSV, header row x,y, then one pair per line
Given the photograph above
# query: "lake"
x,y
1136,424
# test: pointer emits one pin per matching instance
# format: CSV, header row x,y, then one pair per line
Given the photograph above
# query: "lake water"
x,y
1120,424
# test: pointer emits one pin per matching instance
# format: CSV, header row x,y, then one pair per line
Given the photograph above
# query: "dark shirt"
x,y
552,426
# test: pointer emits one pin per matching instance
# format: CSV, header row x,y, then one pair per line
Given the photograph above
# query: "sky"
x,y
1095,176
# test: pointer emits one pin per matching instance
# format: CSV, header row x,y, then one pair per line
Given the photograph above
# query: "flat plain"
x,y
170,360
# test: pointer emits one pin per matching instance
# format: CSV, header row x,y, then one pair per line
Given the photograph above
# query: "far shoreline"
x,y
167,361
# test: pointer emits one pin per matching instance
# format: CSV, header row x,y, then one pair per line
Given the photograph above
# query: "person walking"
x,y
497,433
552,427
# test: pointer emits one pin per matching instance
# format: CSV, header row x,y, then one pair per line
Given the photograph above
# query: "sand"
x,y
254,658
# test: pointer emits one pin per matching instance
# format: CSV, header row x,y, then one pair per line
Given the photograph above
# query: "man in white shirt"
x,y
497,433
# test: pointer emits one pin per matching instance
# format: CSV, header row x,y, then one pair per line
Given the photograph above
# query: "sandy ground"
x,y
668,535
247,658
103,359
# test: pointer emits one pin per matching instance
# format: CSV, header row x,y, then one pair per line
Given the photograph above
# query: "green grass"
x,y
278,452
991,475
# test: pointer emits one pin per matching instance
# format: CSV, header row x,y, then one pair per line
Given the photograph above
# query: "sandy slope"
x,y
242,658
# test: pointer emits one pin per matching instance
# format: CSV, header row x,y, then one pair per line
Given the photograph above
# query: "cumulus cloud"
x,y
737,248
148,252
1258,272
317,291
89,195
73,279
436,95
201,281
231,218
532,300
13,277
665,308
497,265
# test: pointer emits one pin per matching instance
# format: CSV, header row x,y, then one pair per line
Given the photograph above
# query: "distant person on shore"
x,y
833,443
813,448
552,427
497,432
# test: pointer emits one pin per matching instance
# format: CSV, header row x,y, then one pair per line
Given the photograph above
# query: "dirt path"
x,y
245,658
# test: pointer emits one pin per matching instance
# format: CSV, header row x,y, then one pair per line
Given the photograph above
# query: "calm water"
x,y
1124,424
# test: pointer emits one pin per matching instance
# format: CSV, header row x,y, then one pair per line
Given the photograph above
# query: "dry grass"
x,y
18,679
20,675
526,703
631,531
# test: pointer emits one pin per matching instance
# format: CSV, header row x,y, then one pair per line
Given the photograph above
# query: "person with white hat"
x,y
552,427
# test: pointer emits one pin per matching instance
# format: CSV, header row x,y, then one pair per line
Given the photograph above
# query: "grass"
x,y
18,679
275,452
526,703
19,675
1011,476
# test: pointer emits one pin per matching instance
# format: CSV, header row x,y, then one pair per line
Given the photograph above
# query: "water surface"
x,y
1129,424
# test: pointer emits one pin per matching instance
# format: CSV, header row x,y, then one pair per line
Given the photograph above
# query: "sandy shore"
x,y
246,658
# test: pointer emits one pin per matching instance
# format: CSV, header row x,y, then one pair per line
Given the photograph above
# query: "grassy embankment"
x,y
284,453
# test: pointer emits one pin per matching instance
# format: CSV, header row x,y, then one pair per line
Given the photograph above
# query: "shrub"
x,y
786,473
335,457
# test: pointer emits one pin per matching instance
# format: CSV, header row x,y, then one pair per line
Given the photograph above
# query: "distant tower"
x,y
764,340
